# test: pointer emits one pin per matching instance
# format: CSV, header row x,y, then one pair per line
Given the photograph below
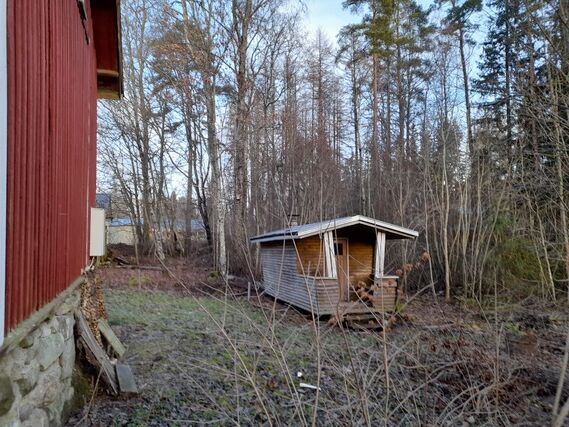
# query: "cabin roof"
x,y
307,230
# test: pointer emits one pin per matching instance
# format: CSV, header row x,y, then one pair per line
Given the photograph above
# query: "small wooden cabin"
x,y
331,267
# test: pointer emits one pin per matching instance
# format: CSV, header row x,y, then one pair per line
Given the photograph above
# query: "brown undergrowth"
x,y
203,354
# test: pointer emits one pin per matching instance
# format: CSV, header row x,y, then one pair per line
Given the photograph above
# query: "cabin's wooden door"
x,y
341,252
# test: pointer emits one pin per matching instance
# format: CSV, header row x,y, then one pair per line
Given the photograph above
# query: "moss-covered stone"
x,y
27,377
29,340
81,392
7,396
49,348
37,418
69,305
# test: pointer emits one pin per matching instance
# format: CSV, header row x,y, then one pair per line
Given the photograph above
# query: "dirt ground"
x,y
204,355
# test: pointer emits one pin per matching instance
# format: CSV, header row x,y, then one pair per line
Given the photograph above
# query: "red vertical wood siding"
x,y
51,151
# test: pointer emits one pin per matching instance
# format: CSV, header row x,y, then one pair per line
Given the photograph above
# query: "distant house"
x,y
330,267
103,201
123,230
56,59
198,229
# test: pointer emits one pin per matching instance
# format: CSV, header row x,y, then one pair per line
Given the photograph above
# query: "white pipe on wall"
x,y
3,158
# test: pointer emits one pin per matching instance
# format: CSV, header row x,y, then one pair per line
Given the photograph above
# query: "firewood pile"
x,y
368,292
93,304
363,291
98,343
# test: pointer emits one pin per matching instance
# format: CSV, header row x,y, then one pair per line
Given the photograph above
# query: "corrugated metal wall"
x,y
51,150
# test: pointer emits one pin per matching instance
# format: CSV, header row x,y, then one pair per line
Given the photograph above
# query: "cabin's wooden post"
x,y
379,255
331,270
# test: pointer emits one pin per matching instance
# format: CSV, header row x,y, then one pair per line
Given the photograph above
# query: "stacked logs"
x,y
93,303
365,291
381,295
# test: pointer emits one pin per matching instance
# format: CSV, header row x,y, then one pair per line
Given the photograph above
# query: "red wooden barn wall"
x,y
51,150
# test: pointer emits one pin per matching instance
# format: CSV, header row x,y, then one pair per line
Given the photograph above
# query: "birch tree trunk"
x,y
242,17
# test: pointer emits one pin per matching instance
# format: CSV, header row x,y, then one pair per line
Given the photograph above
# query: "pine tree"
x,y
498,88
458,21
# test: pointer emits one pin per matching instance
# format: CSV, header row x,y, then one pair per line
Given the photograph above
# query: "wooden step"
x,y
111,337
365,325
127,383
364,317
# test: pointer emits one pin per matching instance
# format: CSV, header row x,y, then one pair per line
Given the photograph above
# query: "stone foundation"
x,y
35,373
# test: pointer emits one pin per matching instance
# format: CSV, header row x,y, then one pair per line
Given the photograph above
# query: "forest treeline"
x,y
451,120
